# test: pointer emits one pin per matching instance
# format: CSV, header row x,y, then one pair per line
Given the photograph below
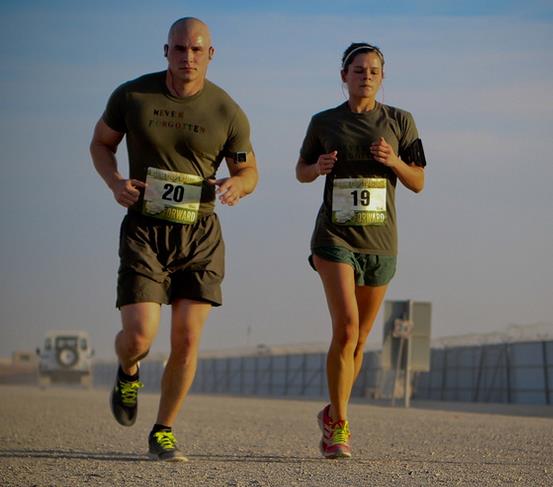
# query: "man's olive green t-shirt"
x,y
351,135
189,135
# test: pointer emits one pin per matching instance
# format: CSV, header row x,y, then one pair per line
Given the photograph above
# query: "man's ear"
x,y
165,50
211,53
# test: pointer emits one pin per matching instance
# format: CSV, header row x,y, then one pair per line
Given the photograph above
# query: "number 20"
x,y
173,193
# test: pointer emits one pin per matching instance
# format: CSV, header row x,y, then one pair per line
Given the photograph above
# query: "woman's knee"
x,y
360,346
346,335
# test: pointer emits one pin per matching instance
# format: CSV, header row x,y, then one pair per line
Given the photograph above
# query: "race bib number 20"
x,y
359,201
172,196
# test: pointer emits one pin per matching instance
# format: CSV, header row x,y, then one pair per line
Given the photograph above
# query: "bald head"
x,y
188,51
189,24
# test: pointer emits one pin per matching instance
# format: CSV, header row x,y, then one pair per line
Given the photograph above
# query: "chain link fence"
x,y
520,372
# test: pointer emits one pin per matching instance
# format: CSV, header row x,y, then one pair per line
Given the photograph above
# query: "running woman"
x,y
179,127
362,148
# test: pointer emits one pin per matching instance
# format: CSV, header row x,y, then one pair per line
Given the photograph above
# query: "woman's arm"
x,y
306,173
410,175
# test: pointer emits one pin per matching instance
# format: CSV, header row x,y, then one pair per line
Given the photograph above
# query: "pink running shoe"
x,y
325,421
335,439
325,424
338,446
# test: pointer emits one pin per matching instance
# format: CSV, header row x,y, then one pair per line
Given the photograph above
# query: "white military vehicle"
x,y
65,358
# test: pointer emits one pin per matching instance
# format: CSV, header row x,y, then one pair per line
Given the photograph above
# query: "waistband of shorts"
x,y
136,213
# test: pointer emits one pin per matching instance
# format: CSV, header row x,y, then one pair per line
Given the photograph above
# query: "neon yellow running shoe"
x,y
124,401
163,446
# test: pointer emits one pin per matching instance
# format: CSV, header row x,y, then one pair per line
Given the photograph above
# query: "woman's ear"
x,y
343,73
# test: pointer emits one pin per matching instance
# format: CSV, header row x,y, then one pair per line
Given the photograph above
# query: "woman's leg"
x,y
369,299
339,285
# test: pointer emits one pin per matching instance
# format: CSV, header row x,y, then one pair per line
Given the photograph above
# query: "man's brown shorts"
x,y
162,261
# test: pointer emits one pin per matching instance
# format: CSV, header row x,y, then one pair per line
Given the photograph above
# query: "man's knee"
x,y
133,344
186,344
140,324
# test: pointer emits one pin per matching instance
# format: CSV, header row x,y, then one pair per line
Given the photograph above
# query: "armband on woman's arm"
x,y
414,154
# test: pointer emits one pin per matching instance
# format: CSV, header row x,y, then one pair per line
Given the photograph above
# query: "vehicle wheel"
x,y
67,357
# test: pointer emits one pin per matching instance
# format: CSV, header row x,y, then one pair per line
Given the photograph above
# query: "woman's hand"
x,y
326,162
383,152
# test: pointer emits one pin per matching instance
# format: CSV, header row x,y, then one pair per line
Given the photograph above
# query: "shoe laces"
x,y
166,440
340,433
129,391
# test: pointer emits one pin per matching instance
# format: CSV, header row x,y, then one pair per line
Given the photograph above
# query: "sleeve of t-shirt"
x,y
311,148
409,132
239,134
114,114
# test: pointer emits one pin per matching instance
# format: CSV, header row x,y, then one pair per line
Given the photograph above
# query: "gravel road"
x,y
67,437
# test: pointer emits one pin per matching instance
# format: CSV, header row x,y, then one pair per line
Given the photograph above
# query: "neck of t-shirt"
x,y
185,90
361,105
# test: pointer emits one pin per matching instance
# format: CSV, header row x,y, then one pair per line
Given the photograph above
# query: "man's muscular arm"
x,y
102,149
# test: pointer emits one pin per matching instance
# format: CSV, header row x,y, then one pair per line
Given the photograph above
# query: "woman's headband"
x,y
359,48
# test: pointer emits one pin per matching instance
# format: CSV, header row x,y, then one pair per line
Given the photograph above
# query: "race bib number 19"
x,y
359,201
172,196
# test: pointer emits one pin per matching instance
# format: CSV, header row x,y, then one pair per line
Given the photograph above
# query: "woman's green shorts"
x,y
369,269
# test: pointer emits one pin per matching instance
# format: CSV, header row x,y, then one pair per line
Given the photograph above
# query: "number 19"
x,y
361,198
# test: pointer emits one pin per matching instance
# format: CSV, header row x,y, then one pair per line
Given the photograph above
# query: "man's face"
x,y
189,52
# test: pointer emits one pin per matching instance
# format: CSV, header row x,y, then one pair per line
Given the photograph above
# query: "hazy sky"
x,y
478,79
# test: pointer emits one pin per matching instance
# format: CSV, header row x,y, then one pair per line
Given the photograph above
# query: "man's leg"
x,y
140,325
187,321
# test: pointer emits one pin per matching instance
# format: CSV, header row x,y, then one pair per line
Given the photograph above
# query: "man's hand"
x,y
127,191
230,190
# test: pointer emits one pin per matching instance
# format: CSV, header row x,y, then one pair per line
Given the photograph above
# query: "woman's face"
x,y
364,75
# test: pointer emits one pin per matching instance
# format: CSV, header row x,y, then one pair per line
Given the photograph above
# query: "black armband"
x,y
414,154
238,156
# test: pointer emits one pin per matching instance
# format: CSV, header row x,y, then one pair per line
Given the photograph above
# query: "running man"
x,y
179,127
363,148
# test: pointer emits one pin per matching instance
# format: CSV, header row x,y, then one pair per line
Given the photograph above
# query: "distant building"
x,y
24,358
